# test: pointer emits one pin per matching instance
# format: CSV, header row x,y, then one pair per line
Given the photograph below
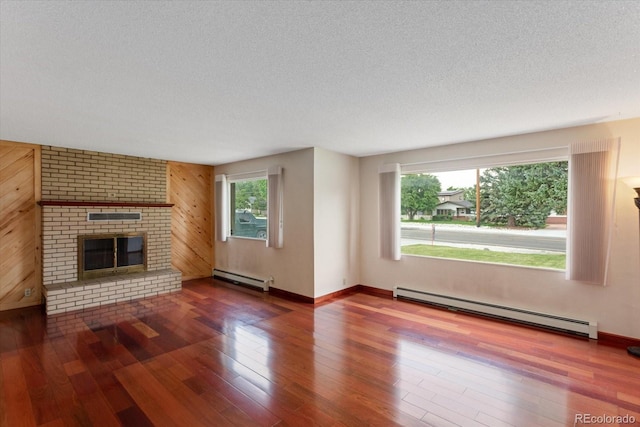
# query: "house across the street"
x,y
452,204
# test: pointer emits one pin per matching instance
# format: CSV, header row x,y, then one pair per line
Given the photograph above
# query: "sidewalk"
x,y
555,230
551,231
408,242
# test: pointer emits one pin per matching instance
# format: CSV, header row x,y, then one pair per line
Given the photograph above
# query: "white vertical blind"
x,y
222,208
275,207
592,177
389,200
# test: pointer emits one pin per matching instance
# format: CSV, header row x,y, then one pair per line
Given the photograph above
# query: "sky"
x,y
463,178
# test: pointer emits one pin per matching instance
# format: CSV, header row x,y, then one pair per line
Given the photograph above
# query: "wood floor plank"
x,y
3,398
70,410
55,423
217,401
41,394
133,416
160,368
282,404
259,414
157,403
216,354
19,411
7,337
93,400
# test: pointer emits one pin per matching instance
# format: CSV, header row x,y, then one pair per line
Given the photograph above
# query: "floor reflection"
x,y
217,355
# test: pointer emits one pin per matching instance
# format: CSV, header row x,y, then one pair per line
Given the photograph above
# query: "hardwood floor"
x,y
216,355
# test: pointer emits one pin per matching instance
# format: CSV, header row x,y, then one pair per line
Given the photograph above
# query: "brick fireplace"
x,y
76,183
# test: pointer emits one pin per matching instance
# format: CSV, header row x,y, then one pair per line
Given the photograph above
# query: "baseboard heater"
x,y
573,326
240,279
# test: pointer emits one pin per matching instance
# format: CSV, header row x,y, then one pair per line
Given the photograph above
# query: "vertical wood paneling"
x,y
191,192
19,225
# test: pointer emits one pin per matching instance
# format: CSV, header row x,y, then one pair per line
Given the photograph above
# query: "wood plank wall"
x,y
20,244
190,189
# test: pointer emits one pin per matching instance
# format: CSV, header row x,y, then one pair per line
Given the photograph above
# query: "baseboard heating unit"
x,y
240,279
573,326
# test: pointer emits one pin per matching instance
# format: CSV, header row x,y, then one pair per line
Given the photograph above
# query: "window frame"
x,y
558,154
231,182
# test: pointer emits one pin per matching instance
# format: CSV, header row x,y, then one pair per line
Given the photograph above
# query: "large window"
x,y
248,207
507,214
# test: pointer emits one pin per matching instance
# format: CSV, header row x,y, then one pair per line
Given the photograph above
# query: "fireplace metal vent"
x,y
114,216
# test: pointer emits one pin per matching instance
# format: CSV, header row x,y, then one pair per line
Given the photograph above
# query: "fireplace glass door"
x,y
130,251
98,254
106,255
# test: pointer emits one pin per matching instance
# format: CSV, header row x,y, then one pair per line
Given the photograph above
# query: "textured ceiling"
x,y
214,82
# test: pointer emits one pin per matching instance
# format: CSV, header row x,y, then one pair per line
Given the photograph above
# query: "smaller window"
x,y
248,207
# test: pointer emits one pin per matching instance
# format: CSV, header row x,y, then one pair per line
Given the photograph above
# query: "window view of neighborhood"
x,y
510,214
248,202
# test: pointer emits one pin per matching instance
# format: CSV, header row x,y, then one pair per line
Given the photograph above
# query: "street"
x,y
542,240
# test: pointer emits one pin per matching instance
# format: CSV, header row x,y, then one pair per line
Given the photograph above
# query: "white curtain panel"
x,y
389,200
593,167
222,208
275,207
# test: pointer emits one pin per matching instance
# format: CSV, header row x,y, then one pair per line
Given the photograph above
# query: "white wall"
x,y
331,234
615,307
336,216
321,198
292,265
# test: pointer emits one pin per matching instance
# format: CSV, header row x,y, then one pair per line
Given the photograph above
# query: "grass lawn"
x,y
532,260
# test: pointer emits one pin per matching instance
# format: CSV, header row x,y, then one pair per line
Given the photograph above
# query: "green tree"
x,y
470,196
523,195
251,195
419,193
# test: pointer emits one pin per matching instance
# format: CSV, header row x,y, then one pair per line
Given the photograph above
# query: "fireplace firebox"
x,y
102,255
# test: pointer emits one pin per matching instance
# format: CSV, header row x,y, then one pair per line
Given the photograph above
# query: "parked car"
x,y
247,225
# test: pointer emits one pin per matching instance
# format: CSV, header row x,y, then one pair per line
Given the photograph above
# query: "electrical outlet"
x,y
27,292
